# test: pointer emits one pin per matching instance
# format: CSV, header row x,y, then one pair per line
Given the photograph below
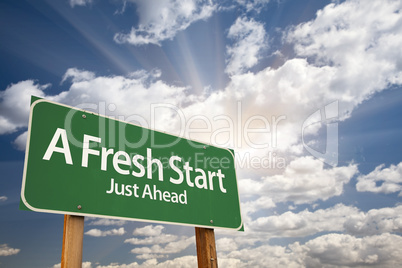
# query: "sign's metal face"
x,y
82,163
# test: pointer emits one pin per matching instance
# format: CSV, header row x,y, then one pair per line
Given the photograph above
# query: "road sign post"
x,y
206,249
73,235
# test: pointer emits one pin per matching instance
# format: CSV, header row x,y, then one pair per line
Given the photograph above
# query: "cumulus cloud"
x,y
159,239
339,218
100,233
226,244
331,250
262,202
375,221
161,20
105,222
183,262
105,95
85,264
77,75
74,3
170,248
118,90
14,104
304,223
305,180
21,141
262,256
162,244
249,40
345,250
381,180
253,5
149,230
359,41
5,250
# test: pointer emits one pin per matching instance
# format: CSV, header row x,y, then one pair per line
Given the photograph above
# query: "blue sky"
x,y
307,201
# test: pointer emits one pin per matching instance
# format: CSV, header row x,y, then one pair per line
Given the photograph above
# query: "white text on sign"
x,y
122,163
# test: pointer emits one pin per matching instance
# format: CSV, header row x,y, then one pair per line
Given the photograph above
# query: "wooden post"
x,y
73,235
206,249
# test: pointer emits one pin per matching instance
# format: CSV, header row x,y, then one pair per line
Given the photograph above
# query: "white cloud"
x,y
3,198
74,3
359,41
155,237
305,180
77,75
151,256
21,141
304,223
182,262
331,250
263,256
253,5
375,221
100,233
152,240
14,104
105,95
249,40
345,250
381,180
263,202
226,244
276,102
105,222
5,250
169,248
120,91
161,20
340,218
85,264
149,230
328,251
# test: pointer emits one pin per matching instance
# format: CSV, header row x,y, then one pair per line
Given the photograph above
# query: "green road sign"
x,y
81,163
